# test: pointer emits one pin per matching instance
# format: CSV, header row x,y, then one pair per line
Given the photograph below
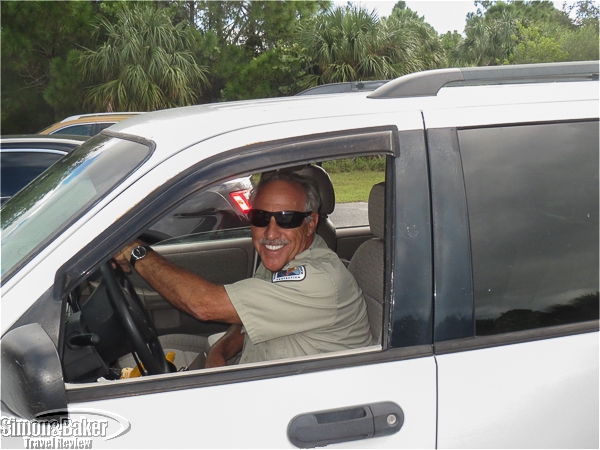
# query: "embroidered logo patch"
x,y
291,274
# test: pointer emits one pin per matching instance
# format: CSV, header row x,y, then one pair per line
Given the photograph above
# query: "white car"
x,y
479,265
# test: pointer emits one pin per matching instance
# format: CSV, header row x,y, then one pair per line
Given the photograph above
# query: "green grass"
x,y
352,178
354,186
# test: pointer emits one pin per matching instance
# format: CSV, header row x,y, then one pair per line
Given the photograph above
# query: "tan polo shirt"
x,y
313,305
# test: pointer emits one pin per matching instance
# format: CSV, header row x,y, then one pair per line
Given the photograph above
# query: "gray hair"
x,y
313,198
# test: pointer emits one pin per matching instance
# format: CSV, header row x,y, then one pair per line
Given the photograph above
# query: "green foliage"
x,y
351,44
535,47
581,44
66,89
489,40
275,73
429,52
256,25
141,55
145,64
358,164
30,50
519,32
234,33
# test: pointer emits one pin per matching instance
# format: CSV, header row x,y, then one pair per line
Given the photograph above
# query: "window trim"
x,y
515,337
200,379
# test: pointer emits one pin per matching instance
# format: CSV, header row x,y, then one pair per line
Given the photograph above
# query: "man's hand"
x,y
123,256
225,348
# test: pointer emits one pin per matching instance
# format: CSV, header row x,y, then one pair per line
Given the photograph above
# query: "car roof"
x,y
178,128
90,118
99,116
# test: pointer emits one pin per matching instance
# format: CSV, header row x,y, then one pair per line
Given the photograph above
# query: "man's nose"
x,y
273,229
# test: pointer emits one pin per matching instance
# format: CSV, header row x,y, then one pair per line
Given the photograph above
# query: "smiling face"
x,y
277,246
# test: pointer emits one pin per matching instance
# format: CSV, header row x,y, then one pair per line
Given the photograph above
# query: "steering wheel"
x,y
134,318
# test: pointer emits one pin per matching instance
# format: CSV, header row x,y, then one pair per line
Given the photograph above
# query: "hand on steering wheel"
x,y
135,319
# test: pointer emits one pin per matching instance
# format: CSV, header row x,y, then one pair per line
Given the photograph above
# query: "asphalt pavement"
x,y
350,215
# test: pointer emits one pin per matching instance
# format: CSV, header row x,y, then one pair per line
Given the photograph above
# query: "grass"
x,y
354,186
352,178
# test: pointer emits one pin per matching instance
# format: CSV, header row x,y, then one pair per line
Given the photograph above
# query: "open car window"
x,y
208,234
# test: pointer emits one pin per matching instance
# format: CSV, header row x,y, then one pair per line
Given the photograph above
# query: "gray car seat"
x,y
325,229
367,263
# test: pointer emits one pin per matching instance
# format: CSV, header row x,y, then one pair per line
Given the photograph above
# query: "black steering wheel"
x,y
134,318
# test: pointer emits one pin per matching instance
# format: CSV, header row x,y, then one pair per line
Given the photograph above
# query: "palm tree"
x,y
146,63
352,44
489,40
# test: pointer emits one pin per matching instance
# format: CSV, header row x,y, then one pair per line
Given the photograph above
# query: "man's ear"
x,y
312,224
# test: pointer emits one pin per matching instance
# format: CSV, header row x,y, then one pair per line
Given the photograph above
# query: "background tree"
x,y
236,32
489,39
350,44
276,73
146,63
430,50
32,56
516,32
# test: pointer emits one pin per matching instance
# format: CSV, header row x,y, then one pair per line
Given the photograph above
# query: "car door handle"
x,y
322,428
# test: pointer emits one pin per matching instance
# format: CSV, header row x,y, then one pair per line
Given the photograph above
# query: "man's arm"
x,y
225,348
185,290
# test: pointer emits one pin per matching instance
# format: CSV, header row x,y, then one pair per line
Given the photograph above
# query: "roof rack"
x,y
429,83
350,86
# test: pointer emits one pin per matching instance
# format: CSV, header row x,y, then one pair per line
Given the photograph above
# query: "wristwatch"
x,y
138,253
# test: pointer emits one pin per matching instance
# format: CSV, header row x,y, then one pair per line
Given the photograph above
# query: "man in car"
x,y
302,299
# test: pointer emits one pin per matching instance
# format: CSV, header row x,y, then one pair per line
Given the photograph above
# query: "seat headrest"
x,y
321,178
377,210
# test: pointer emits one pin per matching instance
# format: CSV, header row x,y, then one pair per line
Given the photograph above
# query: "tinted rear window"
x,y
532,195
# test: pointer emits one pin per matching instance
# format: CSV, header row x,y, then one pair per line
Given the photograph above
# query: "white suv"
x,y
484,297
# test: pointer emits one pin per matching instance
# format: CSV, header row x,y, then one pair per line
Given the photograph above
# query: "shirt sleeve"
x,y
271,310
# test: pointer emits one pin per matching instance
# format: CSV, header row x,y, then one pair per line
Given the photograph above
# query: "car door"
x,y
515,213
390,387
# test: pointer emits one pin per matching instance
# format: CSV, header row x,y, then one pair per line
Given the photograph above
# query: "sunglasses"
x,y
284,219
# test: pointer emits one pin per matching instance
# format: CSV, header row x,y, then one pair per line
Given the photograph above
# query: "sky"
x,y
443,15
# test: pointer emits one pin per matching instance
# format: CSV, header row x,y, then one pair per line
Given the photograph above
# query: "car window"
x,y
78,130
207,214
206,232
47,206
535,262
19,168
102,126
352,191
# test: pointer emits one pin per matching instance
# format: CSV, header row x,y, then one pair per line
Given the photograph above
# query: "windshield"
x,y
62,194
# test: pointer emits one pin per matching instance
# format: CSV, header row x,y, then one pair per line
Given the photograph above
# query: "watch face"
x,y
138,252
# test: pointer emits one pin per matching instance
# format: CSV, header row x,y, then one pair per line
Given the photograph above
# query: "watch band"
x,y
138,253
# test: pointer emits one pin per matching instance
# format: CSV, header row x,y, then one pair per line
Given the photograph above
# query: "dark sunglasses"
x,y
284,219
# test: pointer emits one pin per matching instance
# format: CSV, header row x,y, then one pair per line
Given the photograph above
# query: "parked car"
x,y
481,279
24,157
339,88
87,124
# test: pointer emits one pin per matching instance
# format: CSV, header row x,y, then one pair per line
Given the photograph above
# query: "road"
x,y
350,215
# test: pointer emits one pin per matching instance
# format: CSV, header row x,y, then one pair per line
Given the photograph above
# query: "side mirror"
x,y
32,377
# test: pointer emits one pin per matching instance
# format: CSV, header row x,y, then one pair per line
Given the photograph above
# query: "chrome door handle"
x,y
321,428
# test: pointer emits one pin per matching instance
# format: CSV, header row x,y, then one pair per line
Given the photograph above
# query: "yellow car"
x,y
87,124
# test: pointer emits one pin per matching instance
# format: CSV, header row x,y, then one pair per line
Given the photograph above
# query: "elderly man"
x,y
301,301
